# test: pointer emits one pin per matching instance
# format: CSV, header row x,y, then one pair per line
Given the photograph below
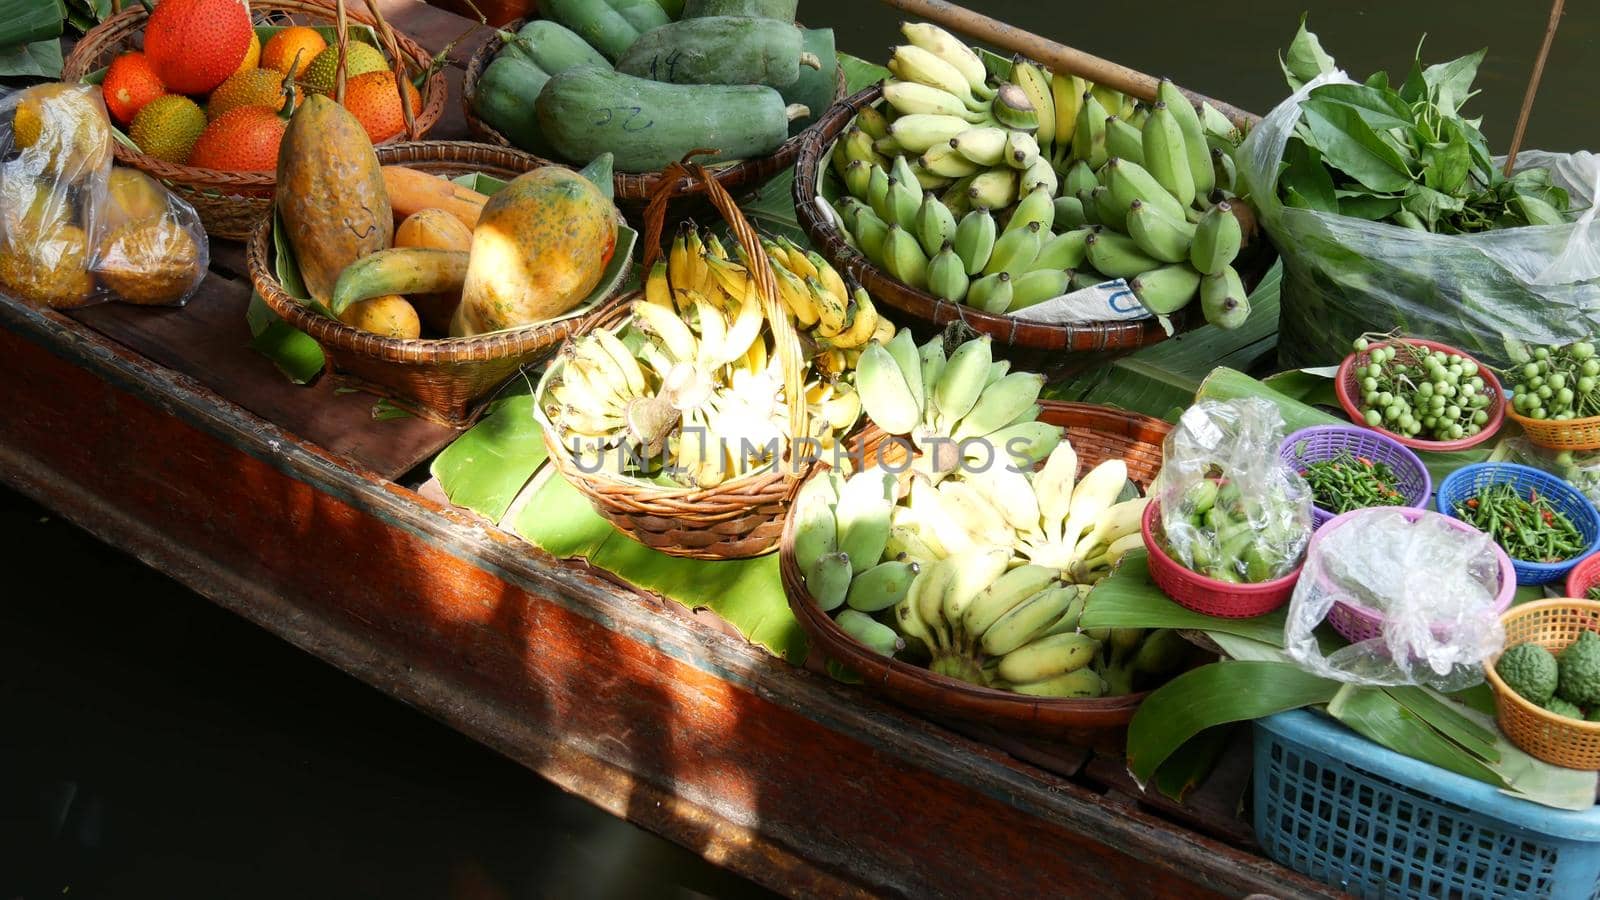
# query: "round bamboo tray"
x,y
231,203
1039,346
439,379
1558,740
739,518
634,190
1097,433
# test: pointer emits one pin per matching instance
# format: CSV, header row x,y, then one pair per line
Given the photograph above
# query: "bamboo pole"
x,y
1533,84
1058,57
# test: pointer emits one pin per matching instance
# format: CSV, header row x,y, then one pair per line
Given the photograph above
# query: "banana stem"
x,y
957,665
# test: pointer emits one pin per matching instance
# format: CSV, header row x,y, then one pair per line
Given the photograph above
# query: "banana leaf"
x,y
1383,719
1127,598
28,22
1166,375
747,593
484,469
1184,770
40,59
1228,691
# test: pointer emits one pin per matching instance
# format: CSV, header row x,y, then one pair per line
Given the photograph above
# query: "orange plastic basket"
x,y
1556,434
1552,624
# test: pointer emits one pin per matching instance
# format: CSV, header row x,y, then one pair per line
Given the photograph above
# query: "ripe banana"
x,y
917,134
1066,92
1001,596
885,394
1036,85
1027,620
903,258
863,322
911,62
974,571
934,225
1223,300
991,293
1079,683
1015,251
947,275
828,580
1047,657
910,98
875,635
926,600
1021,150
994,189
1040,174
1217,240
983,147
974,242
881,586
1117,255
1167,289
947,47
1166,155
1159,236
948,161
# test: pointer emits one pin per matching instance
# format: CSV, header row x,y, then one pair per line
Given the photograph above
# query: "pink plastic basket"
x,y
1192,590
1360,623
1585,575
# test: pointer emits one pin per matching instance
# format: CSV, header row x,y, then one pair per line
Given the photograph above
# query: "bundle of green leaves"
x,y
1404,155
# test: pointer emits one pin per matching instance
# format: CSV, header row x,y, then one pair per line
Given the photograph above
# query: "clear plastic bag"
x,y
1343,276
74,230
1434,584
1579,468
1230,509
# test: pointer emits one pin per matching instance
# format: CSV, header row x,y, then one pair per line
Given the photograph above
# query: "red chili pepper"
x,y
1364,461
1472,503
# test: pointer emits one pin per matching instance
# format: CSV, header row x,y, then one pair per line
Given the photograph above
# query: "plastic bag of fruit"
x,y
1579,468
1433,584
1230,509
74,229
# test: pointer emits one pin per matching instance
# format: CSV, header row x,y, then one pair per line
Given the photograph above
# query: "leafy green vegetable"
x,y
1404,156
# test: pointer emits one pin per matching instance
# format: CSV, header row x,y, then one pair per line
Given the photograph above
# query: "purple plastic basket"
x,y
1327,441
1359,623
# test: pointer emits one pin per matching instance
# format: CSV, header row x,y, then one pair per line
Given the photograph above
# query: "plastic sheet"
x,y
1230,508
74,230
1579,468
1344,276
1434,581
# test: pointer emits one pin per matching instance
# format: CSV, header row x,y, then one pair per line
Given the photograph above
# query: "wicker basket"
x,y
444,379
1345,385
231,203
1052,349
738,518
1552,624
1097,433
634,190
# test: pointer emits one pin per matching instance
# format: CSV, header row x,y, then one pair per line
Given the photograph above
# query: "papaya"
x,y
782,10
586,111
541,246
504,99
330,193
644,15
718,50
438,230
410,191
552,47
815,88
389,316
602,27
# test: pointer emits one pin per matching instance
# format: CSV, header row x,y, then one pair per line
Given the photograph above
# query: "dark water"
x,y
152,745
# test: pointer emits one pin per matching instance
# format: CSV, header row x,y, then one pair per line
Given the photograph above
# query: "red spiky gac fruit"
x,y
243,139
130,83
194,45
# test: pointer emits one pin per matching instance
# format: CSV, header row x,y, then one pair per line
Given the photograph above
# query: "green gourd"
x,y
782,10
553,47
815,88
602,27
586,111
504,99
718,50
644,15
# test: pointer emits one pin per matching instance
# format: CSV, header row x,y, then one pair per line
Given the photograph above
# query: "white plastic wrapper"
x,y
74,229
1435,585
1344,276
1230,508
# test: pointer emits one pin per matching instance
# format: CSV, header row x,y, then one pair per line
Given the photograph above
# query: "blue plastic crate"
x,y
1461,484
1345,811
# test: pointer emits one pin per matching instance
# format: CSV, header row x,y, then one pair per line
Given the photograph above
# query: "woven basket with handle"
x,y
445,379
739,518
231,203
1097,433
634,190
1040,346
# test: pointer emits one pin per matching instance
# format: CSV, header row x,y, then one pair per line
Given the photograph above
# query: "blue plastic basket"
x,y
1338,808
1461,484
